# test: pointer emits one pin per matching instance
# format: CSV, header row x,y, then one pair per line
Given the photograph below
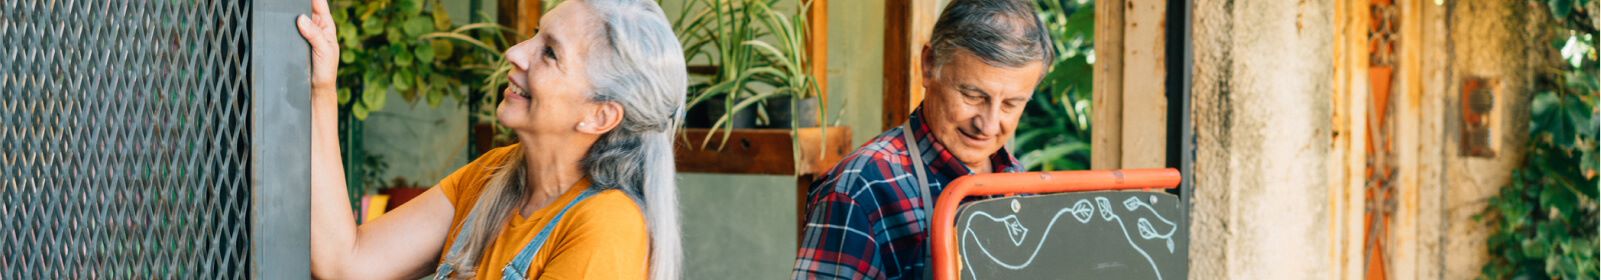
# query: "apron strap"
x,y
916,150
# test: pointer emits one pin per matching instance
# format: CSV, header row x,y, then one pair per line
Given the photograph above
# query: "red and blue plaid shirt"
x,y
865,216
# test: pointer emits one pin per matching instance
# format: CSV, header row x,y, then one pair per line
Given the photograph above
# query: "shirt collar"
x,y
942,161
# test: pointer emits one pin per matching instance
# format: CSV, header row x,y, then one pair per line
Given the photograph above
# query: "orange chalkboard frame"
x,y
1031,183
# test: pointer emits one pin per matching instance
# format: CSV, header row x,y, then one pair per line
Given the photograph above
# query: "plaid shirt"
x,y
866,217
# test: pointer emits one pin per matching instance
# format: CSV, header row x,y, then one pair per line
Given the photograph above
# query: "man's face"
x,y
973,107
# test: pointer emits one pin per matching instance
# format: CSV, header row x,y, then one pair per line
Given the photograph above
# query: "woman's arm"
x,y
400,244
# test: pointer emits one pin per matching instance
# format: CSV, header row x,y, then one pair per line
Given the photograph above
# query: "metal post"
x,y
1180,69
281,132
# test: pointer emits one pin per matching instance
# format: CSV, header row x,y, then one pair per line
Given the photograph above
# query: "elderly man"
x,y
868,217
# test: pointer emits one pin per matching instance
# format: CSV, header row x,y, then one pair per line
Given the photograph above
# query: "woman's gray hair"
x,y
636,62
1002,33
639,64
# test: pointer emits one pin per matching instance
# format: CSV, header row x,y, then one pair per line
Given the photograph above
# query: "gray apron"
x,y
928,196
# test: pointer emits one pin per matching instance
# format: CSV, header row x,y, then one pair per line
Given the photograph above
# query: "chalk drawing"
x,y
1083,211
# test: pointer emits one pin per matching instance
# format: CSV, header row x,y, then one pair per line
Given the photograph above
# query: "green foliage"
x,y
733,36
1054,133
410,47
1545,221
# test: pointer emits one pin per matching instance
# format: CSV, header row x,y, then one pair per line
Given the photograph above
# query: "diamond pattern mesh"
x,y
125,144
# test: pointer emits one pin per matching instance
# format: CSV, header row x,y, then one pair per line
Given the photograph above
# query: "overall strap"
x,y
519,265
444,270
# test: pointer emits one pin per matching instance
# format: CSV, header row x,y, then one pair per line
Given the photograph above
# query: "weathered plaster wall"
x,y
1262,105
1498,40
1436,74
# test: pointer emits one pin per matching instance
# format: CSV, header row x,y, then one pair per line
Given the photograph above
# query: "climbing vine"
x,y
1544,223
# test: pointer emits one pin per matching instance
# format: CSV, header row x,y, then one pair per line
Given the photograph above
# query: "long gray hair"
x,y
637,63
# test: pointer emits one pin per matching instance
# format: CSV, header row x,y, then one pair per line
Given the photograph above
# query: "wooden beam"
x,y
907,26
764,151
520,15
1144,88
1106,129
817,49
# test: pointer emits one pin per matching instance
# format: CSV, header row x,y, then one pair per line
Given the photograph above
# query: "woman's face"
x,y
549,93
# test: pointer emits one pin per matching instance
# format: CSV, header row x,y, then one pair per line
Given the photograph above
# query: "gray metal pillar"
x,y
281,132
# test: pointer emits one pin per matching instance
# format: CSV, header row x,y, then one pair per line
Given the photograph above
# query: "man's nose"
x,y
987,123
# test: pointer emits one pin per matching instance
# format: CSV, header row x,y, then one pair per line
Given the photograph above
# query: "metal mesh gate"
x,y
127,144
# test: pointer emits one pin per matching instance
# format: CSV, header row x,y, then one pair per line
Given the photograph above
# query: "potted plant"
x,y
745,70
796,103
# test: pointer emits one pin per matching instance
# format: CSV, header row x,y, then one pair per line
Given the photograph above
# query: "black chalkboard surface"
x,y
1084,235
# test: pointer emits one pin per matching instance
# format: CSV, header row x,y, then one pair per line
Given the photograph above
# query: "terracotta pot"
x,y
399,196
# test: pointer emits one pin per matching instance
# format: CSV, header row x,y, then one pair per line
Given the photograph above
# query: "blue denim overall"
x,y
518,265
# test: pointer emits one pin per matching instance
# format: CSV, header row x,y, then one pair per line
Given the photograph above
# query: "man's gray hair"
x,y
1002,33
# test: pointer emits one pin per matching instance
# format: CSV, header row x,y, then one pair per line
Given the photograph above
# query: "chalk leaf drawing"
x,y
1082,211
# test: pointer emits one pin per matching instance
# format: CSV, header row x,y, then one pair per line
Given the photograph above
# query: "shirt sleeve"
x,y
839,241
608,239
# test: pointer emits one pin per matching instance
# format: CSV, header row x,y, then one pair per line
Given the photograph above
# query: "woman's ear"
x,y
604,117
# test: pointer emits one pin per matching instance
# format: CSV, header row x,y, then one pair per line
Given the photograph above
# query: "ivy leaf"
x,y
442,49
372,27
394,35
360,111
373,96
409,7
341,14
441,18
440,84
420,82
402,79
403,57
425,53
417,26
344,96
347,33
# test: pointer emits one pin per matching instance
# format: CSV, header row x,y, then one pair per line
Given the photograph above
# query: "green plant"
x,y
1544,222
731,35
408,46
393,44
1054,133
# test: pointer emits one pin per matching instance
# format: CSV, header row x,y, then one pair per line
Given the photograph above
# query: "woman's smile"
x,y
515,92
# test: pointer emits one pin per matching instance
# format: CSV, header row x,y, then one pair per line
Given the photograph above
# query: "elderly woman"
x,y
588,191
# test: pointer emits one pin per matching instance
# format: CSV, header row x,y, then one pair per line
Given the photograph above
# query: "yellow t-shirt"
x,y
602,237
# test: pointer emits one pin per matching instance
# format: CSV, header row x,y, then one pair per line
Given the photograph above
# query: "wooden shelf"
x,y
763,151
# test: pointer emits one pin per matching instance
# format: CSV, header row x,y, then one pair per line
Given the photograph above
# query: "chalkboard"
x,y
1085,235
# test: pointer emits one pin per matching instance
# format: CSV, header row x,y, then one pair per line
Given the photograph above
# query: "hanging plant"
x,y
410,46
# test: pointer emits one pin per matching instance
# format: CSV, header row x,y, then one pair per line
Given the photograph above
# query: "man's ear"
x,y
927,63
603,118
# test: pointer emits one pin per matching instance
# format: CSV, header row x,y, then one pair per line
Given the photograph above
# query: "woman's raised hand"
x,y
318,29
